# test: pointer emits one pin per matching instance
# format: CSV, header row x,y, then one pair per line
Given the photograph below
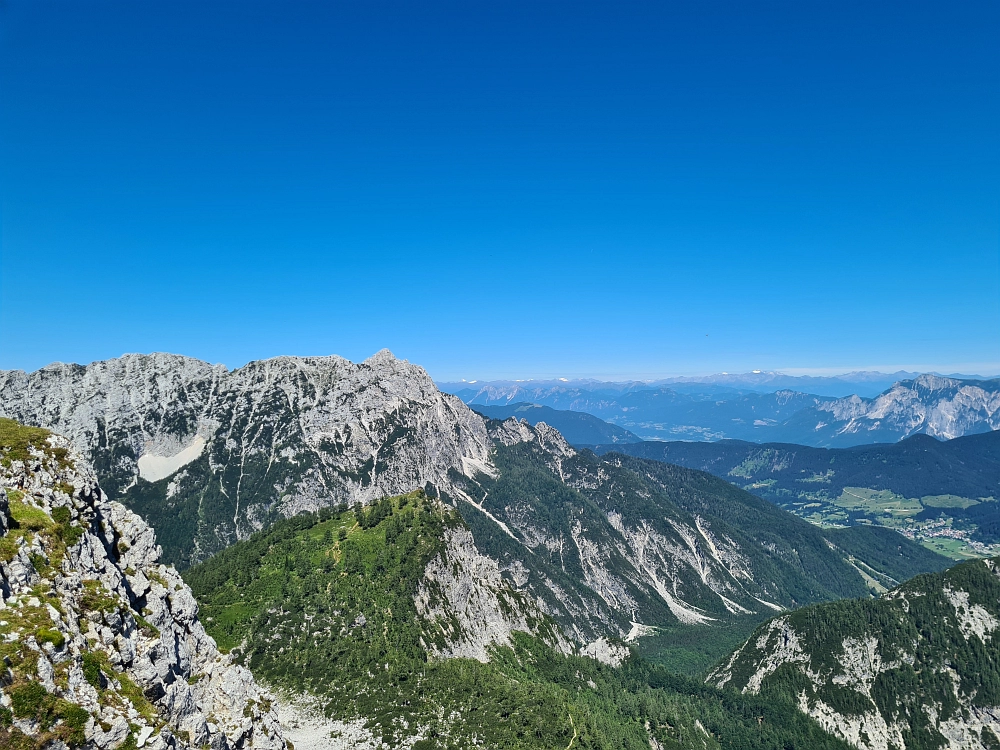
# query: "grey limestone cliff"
x,y
209,455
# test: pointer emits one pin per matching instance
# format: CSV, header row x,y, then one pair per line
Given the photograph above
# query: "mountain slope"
x,y
917,668
102,647
208,456
911,484
608,547
579,428
349,612
617,543
914,467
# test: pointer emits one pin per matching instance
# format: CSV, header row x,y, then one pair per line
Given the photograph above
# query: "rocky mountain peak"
x,y
222,453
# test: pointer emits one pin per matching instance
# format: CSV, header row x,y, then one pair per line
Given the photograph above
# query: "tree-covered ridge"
x,y
917,668
324,603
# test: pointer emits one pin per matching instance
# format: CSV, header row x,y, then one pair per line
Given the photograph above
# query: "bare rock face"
x,y
464,595
944,408
102,643
209,455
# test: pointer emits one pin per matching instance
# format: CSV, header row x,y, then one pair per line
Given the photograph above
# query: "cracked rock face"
x,y
102,643
209,455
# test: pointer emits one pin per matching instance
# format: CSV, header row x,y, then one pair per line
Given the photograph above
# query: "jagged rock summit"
x,y
222,453
101,644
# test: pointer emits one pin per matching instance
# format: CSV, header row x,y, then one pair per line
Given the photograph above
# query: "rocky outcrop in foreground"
x,y
101,644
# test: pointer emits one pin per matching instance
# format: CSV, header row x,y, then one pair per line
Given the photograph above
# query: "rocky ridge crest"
x,y
223,453
916,668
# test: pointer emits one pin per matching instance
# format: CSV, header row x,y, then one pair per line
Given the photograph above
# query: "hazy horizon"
x,y
987,371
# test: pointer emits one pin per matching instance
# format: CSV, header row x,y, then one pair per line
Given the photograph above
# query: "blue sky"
x,y
503,189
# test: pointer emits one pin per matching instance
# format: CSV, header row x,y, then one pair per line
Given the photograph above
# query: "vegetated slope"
x,y
208,456
917,668
914,467
352,607
883,556
579,428
886,556
929,479
929,404
101,644
614,544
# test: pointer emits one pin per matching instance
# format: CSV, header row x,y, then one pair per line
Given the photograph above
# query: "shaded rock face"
x,y
208,456
917,668
102,643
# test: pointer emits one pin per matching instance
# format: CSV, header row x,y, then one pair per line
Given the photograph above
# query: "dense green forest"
x,y
920,465
323,603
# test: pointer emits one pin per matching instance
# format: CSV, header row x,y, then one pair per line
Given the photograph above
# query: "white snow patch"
x,y
153,468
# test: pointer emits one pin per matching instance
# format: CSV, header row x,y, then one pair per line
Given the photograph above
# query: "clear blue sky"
x,y
503,189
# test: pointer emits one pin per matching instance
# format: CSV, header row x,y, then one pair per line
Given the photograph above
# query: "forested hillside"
x,y
917,668
330,604
942,493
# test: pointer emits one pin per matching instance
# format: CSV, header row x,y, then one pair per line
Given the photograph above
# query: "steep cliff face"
x,y
464,596
918,668
208,455
102,643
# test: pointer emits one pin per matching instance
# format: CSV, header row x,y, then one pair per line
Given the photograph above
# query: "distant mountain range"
x,y
938,406
865,383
